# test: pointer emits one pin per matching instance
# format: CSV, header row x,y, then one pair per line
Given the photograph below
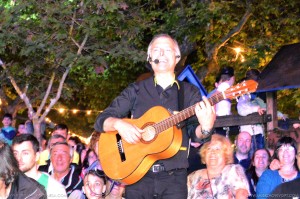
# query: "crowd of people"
x,y
68,168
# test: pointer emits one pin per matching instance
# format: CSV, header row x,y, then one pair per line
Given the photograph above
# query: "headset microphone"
x,y
156,61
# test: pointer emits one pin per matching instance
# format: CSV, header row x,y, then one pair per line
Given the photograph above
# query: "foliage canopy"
x,y
96,48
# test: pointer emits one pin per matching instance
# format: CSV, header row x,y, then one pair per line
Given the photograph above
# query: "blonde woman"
x,y
221,178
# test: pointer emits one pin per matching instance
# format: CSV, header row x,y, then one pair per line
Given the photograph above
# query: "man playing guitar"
x,y
167,177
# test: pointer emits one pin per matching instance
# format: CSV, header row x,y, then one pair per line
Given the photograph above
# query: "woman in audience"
x,y
290,189
94,184
221,178
285,152
94,141
260,162
90,162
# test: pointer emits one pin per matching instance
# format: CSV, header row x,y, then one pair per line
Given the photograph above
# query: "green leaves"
x,y
38,38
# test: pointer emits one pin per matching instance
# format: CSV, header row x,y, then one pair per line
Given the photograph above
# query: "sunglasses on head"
x,y
98,173
113,182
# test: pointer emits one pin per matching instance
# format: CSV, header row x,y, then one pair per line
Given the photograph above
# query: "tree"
x,y
41,41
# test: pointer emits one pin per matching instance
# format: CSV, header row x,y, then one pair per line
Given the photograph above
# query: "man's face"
x,y
6,121
163,49
243,143
25,156
60,158
62,132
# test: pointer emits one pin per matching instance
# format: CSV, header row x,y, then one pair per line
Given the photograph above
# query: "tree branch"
x,y
72,24
212,50
15,85
64,76
236,30
46,97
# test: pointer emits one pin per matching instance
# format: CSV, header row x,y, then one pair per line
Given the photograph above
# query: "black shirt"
x,y
245,163
287,190
141,96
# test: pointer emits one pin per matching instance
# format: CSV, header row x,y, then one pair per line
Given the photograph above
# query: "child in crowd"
x,y
224,80
90,162
7,131
94,184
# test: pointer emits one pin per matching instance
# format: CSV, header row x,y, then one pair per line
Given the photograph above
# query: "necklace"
x,y
210,184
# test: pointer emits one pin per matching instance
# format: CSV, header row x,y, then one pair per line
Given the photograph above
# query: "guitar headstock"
x,y
245,87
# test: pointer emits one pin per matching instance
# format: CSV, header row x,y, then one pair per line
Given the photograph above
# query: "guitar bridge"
x,y
120,148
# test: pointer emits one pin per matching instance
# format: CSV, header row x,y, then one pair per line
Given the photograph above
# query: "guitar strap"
x,y
180,94
184,122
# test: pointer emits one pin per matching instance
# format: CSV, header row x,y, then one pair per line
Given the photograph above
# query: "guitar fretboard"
x,y
184,114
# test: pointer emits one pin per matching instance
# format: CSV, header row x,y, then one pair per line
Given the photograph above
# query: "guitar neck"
x,y
185,114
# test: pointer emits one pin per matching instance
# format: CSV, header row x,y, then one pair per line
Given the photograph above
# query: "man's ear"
x,y
177,58
37,156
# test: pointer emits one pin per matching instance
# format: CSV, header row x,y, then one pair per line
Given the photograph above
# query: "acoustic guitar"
x,y
128,163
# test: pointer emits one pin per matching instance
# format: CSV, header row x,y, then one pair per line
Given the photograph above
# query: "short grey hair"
x,y
63,143
55,136
177,49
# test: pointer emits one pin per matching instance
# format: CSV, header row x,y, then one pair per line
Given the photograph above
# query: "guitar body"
x,y
138,158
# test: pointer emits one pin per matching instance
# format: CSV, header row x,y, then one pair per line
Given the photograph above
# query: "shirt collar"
x,y
174,81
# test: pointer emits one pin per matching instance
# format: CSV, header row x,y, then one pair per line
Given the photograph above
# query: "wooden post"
x,y
272,110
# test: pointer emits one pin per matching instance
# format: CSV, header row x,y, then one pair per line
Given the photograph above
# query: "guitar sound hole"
x,y
120,148
149,134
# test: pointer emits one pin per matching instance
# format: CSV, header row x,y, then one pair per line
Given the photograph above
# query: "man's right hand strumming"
x,y
129,132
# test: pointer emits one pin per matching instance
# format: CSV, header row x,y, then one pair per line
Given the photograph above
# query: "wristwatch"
x,y
206,132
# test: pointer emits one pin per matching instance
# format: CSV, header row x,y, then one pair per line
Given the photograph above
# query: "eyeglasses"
x,y
288,148
113,182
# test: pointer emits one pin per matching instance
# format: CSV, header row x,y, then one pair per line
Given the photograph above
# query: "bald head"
x,y
243,143
244,134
